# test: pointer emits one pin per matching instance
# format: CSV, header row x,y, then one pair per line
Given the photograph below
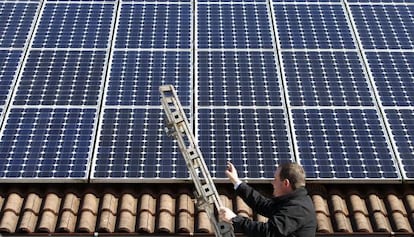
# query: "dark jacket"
x,y
290,215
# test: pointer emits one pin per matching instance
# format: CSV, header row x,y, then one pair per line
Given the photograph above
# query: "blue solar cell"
x,y
9,60
401,122
136,76
46,143
132,144
312,26
326,79
393,75
380,1
255,140
72,25
343,143
385,26
154,26
238,78
61,78
233,26
16,20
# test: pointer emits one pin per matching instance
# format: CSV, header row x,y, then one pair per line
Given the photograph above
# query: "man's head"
x,y
288,177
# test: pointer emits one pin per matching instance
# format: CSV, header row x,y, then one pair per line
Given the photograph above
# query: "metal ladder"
x,y
177,126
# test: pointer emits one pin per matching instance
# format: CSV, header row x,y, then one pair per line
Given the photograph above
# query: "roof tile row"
x,y
342,208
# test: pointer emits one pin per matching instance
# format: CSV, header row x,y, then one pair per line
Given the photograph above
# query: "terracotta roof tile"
x,y
89,208
69,213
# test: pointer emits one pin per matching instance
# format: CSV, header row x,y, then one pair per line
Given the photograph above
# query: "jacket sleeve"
x,y
281,224
255,200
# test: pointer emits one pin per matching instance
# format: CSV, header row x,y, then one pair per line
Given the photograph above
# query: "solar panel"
x,y
343,144
238,79
9,61
254,139
154,26
61,78
402,128
46,143
233,26
326,79
132,145
73,25
136,76
16,20
313,26
384,26
393,75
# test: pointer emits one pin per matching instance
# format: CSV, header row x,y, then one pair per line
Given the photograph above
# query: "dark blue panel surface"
x,y
9,60
343,143
154,26
238,78
313,26
326,79
255,140
233,26
385,26
402,128
136,76
74,26
61,78
46,143
393,73
16,20
132,144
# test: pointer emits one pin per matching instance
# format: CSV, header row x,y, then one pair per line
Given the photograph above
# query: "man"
x,y
290,212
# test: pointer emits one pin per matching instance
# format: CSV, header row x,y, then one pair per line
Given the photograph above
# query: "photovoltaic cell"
x,y
9,61
72,25
313,26
379,1
16,20
61,78
133,144
46,143
385,26
233,26
393,73
343,143
136,76
238,78
402,128
154,26
326,79
255,140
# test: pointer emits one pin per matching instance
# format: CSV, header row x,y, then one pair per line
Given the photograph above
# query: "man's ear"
x,y
286,183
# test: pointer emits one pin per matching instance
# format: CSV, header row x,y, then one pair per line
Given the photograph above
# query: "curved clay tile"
x,y
341,214
243,209
166,220
379,214
108,213
226,201
69,213
204,224
147,213
127,213
11,212
399,214
30,212
88,213
360,213
50,213
409,198
322,214
185,214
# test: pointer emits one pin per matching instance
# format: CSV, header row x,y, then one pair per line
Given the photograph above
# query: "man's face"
x,y
280,187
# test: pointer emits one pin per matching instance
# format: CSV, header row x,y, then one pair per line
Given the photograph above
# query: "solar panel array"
x,y
326,83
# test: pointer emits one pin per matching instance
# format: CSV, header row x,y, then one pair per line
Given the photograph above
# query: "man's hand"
x,y
231,173
225,214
